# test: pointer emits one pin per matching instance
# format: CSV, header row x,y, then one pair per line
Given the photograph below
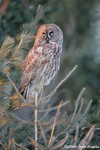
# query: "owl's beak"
x,y
47,38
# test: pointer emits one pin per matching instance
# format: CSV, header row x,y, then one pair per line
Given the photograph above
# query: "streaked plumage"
x,y
43,60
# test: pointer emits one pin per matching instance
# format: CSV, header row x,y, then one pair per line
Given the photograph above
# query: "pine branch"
x,y
85,141
6,47
30,28
53,127
36,120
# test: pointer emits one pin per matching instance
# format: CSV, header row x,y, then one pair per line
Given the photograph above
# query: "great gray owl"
x,y
43,60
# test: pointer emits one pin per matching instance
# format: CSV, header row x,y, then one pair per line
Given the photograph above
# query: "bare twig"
x,y
87,108
38,145
76,134
63,132
36,119
34,142
77,103
61,82
15,87
43,134
49,122
81,106
61,143
53,108
53,126
46,113
21,146
3,146
87,138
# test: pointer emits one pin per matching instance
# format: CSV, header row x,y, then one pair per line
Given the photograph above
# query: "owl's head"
x,y
49,33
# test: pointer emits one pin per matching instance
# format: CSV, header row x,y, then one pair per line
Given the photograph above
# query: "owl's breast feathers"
x,y
41,61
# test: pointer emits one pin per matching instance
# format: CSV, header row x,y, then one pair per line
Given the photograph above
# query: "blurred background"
x,y
80,22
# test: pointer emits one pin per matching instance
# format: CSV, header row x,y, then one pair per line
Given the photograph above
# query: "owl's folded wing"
x,y
31,65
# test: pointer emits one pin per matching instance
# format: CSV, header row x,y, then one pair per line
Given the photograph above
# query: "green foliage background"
x,y
79,21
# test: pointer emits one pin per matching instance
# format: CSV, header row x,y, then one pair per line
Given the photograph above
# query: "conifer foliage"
x,y
25,126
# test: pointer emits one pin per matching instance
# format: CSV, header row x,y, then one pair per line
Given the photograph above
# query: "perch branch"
x,y
62,81
53,126
36,119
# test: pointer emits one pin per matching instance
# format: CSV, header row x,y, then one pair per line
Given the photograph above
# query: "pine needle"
x,y
53,126
60,143
85,141
6,47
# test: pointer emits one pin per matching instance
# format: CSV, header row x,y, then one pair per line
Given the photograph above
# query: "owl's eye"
x,y
43,33
51,33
